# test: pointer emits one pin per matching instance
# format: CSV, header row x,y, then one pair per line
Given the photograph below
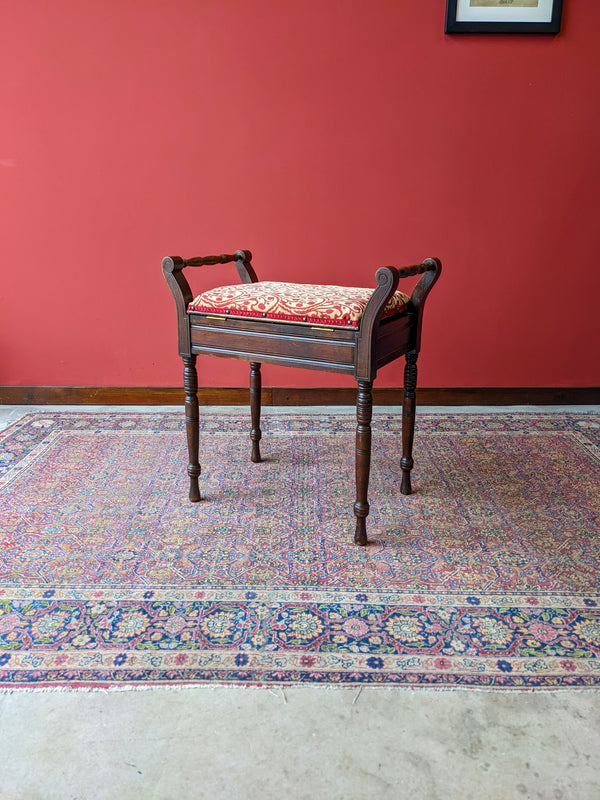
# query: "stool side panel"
x,y
393,340
278,360
259,344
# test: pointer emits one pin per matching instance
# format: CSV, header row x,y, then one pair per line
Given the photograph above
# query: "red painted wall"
x,y
327,136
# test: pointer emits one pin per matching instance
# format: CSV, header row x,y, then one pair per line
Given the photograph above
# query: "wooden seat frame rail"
x,y
353,351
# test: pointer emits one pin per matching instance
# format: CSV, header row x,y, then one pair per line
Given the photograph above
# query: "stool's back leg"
x,y
255,391
192,422
408,419
364,410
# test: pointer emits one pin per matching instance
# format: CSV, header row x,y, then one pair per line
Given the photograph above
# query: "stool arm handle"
x,y
224,258
387,283
173,266
241,258
429,265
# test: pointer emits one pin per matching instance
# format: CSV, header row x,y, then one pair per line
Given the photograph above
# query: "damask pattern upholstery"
x,y
309,304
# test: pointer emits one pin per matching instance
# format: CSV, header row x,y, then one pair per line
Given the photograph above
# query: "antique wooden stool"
x,y
332,328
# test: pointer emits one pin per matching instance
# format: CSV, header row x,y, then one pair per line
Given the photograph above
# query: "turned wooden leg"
x,y
255,389
364,410
408,419
192,422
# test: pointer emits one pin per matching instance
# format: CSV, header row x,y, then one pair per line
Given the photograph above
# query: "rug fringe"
x,y
281,695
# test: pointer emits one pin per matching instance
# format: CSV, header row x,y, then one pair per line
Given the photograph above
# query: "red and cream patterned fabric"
x,y
303,303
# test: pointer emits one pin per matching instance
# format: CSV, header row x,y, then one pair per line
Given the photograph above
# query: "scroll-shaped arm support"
x,y
431,269
173,266
387,282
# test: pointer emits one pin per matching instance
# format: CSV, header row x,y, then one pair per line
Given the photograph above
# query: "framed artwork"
x,y
503,16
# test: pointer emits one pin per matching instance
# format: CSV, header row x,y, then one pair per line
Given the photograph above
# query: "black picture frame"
x,y
503,24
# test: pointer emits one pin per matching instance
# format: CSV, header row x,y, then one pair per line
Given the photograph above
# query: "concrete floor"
x,y
333,743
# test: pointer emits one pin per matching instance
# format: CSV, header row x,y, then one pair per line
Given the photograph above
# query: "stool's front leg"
x,y
255,390
364,411
408,419
192,424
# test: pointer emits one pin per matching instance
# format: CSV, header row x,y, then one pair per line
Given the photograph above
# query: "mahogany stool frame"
x,y
358,351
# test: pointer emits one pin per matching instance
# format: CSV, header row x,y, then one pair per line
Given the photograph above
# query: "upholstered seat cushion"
x,y
303,303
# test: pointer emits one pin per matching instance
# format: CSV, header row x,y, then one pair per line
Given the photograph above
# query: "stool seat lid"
x,y
299,303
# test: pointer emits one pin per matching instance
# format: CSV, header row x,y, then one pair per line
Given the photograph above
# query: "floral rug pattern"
x,y
487,576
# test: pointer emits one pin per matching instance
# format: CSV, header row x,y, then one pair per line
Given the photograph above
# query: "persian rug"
x,y
487,576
